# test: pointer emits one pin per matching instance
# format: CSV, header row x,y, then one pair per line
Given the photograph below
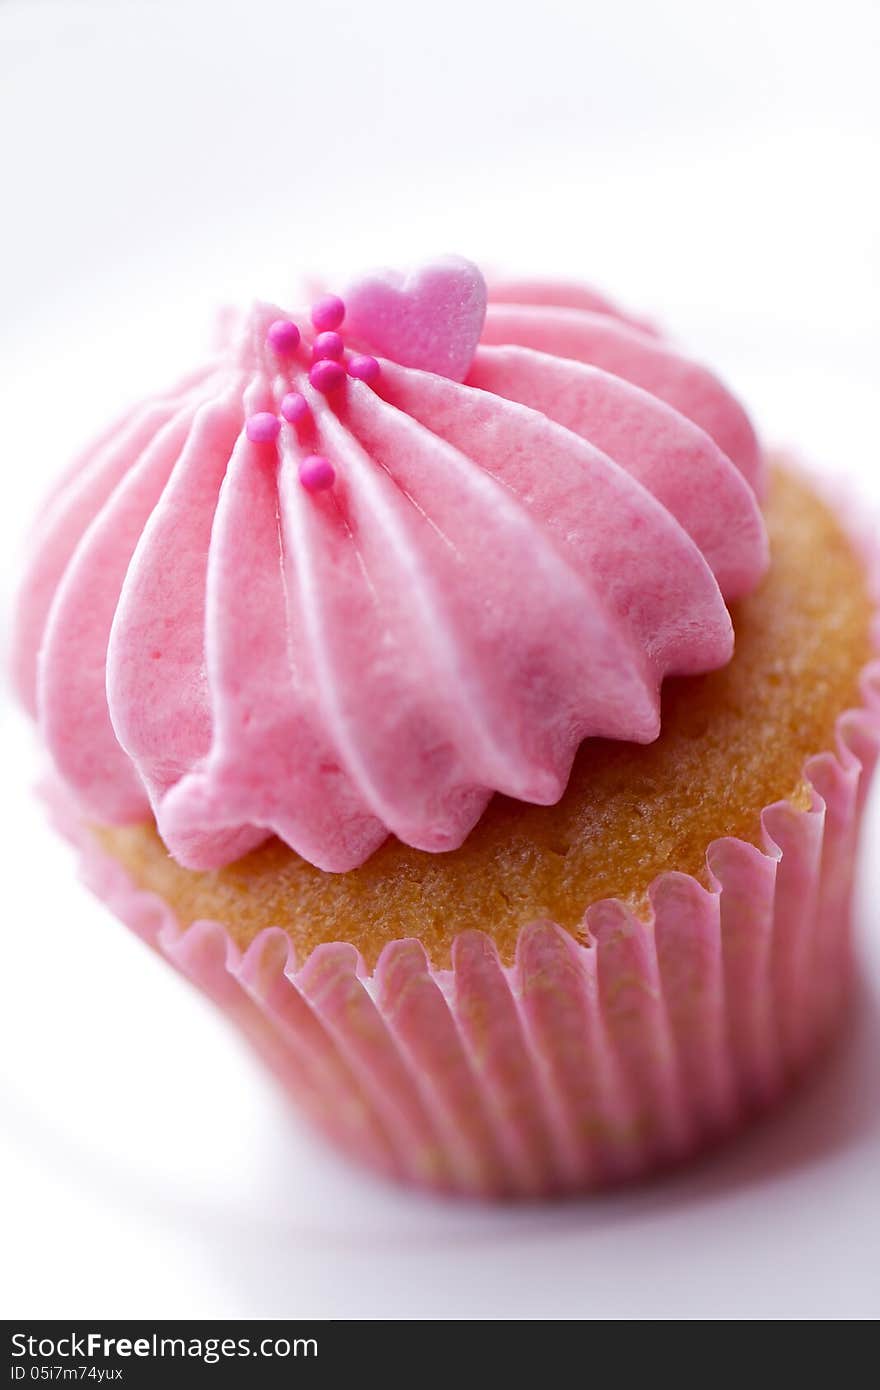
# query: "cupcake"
x,y
445,681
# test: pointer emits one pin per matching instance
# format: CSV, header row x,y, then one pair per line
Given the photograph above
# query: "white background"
x,y
711,163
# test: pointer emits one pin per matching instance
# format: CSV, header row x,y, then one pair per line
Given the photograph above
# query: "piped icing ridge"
x,y
372,564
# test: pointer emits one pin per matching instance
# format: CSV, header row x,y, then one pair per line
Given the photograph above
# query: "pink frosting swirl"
x,y
503,567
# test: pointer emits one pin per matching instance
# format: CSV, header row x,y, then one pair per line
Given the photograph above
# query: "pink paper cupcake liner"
x,y
588,1061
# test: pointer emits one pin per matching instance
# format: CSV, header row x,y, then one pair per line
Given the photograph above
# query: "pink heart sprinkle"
x,y
431,319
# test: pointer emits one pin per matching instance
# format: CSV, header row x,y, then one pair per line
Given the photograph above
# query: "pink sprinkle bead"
x,y
328,313
364,368
327,375
316,473
294,407
328,345
262,428
283,336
